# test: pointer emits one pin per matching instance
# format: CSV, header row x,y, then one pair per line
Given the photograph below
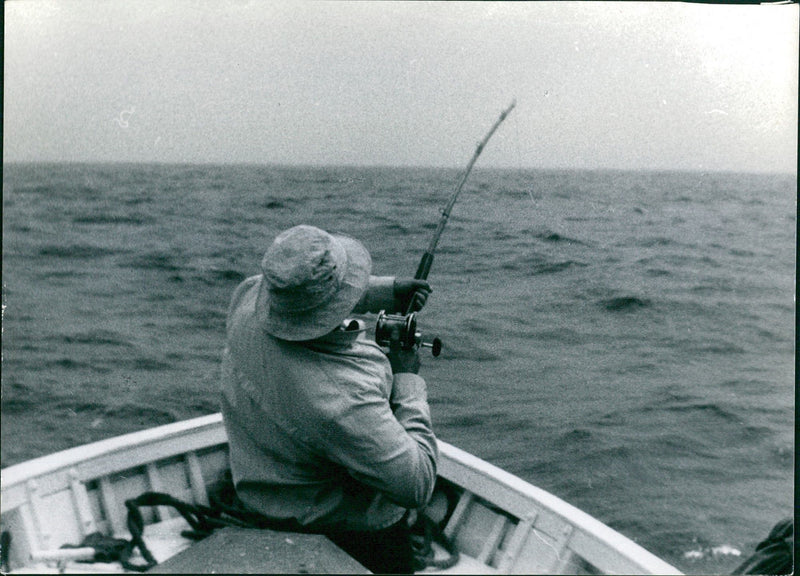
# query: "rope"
x,y
203,520
423,533
225,511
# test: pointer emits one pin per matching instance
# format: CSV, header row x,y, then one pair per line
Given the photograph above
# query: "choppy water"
x,y
623,340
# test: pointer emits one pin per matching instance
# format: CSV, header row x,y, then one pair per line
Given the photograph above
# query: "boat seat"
x,y
253,551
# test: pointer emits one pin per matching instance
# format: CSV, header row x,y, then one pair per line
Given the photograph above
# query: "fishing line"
x,y
519,154
519,159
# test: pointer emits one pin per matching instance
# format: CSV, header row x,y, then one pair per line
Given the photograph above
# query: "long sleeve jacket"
x,y
321,431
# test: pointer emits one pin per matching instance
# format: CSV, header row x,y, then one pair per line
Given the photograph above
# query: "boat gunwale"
x,y
539,498
80,455
54,472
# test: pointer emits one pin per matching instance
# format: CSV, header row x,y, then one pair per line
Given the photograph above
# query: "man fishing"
x,y
327,433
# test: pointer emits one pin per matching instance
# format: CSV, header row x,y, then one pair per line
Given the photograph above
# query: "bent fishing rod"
x,y
403,328
427,258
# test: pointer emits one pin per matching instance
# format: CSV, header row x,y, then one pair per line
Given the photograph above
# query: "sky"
x,y
598,85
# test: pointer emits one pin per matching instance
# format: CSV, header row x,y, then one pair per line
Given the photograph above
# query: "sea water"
x,y
624,340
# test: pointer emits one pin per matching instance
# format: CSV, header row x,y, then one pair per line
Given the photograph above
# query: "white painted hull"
x,y
500,523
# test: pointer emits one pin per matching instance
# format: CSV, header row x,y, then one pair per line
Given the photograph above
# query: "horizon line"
x,y
318,166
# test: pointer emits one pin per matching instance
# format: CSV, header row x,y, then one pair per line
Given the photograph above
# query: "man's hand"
x,y
410,291
403,360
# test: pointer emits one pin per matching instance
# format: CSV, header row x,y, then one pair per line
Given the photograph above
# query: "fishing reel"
x,y
396,328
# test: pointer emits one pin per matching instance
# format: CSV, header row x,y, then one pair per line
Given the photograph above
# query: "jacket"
x,y
321,431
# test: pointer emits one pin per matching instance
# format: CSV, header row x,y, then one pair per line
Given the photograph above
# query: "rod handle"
x,y
424,267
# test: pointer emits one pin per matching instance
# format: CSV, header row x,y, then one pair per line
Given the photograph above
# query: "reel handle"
x,y
435,345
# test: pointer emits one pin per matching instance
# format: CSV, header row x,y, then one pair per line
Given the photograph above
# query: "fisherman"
x,y
327,433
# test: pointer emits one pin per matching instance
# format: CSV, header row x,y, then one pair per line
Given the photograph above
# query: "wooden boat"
x,y
498,522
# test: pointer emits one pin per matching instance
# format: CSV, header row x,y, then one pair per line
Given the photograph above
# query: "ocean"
x,y
624,340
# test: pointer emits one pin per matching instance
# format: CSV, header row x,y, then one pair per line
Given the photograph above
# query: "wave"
x,y
60,190
682,445
658,272
447,400
500,421
560,335
144,364
190,320
601,456
385,226
657,242
710,430
210,277
714,552
719,347
204,405
76,251
741,252
707,409
114,219
625,303
552,267
14,405
598,218
108,364
318,179
519,194
612,419
555,237
575,435
700,346
61,274
278,203
142,415
95,337
754,387
151,261
465,420
164,296
225,274
72,364
538,265
32,189
714,286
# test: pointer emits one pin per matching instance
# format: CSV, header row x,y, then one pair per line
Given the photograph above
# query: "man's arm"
x,y
393,295
388,445
379,295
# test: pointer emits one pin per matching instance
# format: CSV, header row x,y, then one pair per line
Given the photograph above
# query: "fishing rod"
x,y
426,261
403,328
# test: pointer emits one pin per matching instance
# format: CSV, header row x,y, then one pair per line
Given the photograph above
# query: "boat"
x,y
498,522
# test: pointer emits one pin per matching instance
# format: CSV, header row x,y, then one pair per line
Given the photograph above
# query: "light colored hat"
x,y
311,281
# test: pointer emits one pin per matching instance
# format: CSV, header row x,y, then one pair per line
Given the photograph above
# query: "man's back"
x,y
311,427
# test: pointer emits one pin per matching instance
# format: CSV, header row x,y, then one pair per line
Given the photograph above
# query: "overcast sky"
x,y
598,85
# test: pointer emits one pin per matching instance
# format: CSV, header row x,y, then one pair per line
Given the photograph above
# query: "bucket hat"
x,y
311,281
